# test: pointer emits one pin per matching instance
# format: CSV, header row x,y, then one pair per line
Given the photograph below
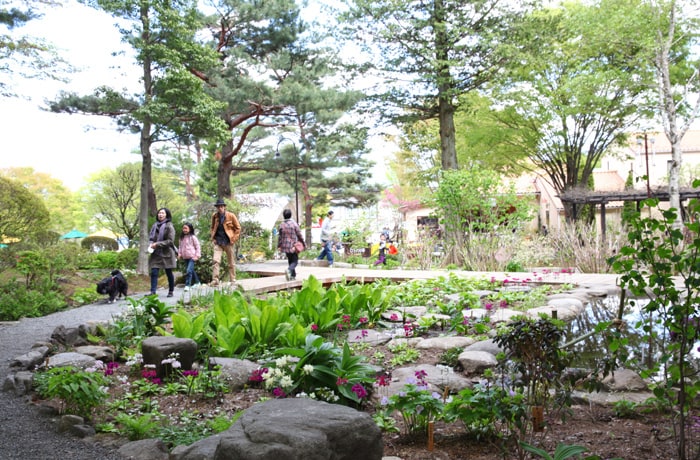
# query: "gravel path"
x,y
24,432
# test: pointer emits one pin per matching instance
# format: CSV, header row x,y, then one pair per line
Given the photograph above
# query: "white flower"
x,y
176,364
281,362
308,369
286,382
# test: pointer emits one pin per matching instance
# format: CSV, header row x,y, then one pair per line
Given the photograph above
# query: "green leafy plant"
x,y
319,368
533,351
416,404
403,353
661,262
385,422
137,427
562,451
80,391
625,408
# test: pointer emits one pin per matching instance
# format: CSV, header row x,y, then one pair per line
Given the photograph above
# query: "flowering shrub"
x,y
319,370
416,404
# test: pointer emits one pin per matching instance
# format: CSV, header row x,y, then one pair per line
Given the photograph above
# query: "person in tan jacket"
x,y
225,231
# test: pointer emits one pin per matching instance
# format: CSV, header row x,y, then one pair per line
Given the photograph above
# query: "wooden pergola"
x,y
583,197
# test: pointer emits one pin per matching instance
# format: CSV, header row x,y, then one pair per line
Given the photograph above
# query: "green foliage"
x,y
80,391
661,261
84,296
625,408
127,259
385,422
450,357
487,410
533,350
17,301
136,427
320,370
99,244
403,353
22,214
562,451
143,318
417,405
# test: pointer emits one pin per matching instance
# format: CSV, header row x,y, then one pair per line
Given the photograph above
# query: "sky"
x,y
68,147
71,147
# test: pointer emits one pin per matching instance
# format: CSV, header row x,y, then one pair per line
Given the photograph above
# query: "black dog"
x,y
113,285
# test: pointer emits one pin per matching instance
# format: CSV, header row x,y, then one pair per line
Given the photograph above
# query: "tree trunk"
x,y
223,175
145,147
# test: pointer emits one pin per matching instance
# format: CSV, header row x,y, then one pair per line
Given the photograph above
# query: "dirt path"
x,y
24,432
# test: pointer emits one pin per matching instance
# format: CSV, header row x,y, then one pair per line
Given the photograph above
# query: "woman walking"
x,y
190,252
164,253
290,233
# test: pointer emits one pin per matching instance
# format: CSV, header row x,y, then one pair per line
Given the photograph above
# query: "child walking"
x,y
382,250
190,252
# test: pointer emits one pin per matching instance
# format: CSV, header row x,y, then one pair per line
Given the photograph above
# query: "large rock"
x,y
293,429
236,371
145,449
31,359
476,362
156,349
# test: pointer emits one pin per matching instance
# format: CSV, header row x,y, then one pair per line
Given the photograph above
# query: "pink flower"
x,y
383,380
359,390
363,319
278,393
341,381
394,317
314,327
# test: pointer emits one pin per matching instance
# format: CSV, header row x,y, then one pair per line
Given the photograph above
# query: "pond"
x,y
594,348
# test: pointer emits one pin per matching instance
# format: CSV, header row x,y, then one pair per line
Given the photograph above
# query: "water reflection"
x,y
591,351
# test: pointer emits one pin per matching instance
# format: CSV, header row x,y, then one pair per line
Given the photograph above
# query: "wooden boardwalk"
x,y
271,275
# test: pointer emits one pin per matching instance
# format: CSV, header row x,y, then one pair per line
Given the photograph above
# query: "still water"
x,y
594,348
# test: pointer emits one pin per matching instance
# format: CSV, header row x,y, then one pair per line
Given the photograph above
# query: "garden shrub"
x,y
80,391
127,259
99,243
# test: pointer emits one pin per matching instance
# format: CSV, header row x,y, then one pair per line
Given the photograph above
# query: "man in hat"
x,y
225,231
327,239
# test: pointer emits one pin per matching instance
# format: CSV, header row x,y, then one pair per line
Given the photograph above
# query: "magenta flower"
x,y
394,317
359,390
488,306
503,303
363,319
314,327
341,381
257,374
347,319
383,380
191,373
278,393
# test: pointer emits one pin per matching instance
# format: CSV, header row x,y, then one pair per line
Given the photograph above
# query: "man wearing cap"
x,y
225,231
327,239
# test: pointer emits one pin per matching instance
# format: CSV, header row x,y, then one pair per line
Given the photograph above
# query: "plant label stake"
x,y
431,440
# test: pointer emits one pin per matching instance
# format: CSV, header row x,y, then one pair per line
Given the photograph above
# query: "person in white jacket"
x,y
327,239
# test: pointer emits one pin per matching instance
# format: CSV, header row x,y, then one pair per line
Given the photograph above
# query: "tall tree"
x,y
173,103
586,84
248,36
22,213
678,79
428,52
21,55
112,197
63,207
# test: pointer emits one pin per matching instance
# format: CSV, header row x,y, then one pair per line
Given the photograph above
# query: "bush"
x,y
99,243
127,259
17,301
